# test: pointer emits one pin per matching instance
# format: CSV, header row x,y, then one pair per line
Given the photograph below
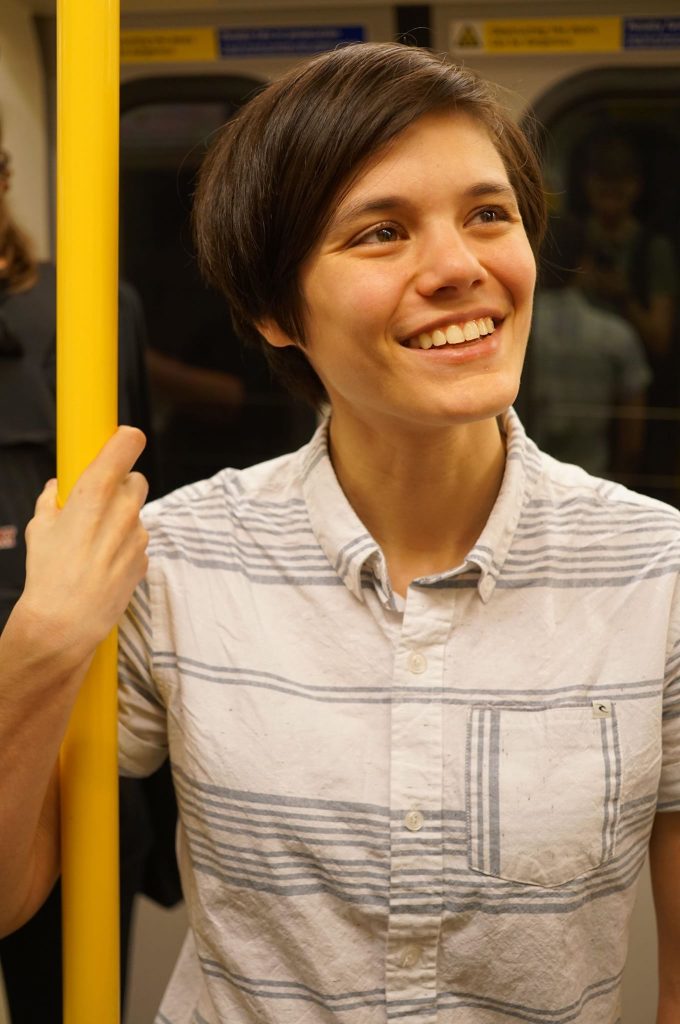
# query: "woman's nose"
x,y
448,261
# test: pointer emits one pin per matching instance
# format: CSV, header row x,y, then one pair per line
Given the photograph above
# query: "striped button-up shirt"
x,y
430,809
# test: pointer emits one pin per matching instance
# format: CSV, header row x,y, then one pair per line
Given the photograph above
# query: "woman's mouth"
x,y
453,334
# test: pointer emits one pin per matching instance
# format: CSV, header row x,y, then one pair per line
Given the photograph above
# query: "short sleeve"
x,y
142,728
669,786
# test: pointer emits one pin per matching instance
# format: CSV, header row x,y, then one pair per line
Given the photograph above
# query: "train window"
x,y
159,132
602,380
214,403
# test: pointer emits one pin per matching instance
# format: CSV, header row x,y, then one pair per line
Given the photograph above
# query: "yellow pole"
x,y
87,274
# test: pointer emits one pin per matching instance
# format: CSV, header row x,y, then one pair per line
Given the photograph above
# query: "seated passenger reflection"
x,y
587,368
629,268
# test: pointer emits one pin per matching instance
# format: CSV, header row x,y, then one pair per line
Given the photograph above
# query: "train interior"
x,y
607,125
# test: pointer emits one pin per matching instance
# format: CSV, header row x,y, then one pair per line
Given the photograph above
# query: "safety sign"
x,y
536,35
556,35
167,44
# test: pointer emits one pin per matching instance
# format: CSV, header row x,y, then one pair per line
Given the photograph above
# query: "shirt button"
x,y
410,956
414,821
417,663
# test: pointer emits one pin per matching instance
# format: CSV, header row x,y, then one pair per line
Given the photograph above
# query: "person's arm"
x,y
203,389
83,563
654,322
664,852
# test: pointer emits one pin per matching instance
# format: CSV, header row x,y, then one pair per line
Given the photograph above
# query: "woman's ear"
x,y
274,335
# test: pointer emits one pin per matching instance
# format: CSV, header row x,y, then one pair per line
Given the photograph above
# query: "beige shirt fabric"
x,y
424,810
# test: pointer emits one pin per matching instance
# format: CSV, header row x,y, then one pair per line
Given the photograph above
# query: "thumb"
x,y
47,499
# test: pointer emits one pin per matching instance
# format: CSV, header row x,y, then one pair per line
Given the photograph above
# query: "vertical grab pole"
x,y
88,56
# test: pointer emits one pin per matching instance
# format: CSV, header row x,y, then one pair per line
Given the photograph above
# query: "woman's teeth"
x,y
456,334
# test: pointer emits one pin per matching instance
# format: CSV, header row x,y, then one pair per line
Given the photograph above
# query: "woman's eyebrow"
x,y
348,214
490,188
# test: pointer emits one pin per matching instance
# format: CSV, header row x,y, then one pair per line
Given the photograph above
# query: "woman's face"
x,y
612,199
418,295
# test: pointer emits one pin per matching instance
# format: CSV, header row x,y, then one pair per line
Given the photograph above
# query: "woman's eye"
x,y
381,234
492,215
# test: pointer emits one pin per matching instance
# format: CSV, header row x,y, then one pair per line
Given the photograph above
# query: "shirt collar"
x,y
522,467
355,554
344,539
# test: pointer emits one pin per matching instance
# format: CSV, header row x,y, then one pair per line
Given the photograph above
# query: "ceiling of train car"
x,y
131,6
210,6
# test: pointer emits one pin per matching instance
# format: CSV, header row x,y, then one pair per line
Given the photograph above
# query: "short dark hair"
x,y
275,173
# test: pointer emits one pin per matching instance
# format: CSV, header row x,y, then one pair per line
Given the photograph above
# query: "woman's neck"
x,y
424,495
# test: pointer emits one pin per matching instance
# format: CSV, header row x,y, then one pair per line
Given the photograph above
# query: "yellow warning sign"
x,y
468,36
139,46
540,35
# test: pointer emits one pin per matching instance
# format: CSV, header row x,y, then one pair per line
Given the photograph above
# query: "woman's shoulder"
x,y
562,489
271,489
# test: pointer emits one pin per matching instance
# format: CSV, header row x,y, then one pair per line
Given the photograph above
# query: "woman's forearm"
x,y
83,563
37,691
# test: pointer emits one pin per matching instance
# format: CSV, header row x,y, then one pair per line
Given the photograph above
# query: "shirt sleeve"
x,y
142,719
669,785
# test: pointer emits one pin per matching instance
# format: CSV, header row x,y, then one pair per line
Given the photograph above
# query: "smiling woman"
x,y
417,681
397,201
283,168
449,249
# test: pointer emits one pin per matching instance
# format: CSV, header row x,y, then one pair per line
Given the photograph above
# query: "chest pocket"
x,y
543,792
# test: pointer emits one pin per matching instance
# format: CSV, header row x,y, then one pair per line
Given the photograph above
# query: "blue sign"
x,y
651,33
279,40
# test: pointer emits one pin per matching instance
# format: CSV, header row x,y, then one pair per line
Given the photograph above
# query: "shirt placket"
x,y
416,792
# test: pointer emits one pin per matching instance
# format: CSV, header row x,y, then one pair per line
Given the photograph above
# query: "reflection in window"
x,y
602,384
214,403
